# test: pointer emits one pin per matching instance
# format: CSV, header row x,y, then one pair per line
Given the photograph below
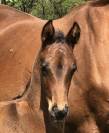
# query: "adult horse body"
x,y
19,45
89,92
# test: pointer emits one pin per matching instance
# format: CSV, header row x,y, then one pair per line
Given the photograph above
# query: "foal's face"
x,y
57,66
57,69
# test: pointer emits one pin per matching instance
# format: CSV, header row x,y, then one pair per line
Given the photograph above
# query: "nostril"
x,y
60,115
66,109
55,108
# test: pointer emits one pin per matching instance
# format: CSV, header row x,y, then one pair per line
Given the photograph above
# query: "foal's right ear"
x,y
73,36
47,35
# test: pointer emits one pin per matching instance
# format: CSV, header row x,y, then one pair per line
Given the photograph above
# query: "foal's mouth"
x,y
55,120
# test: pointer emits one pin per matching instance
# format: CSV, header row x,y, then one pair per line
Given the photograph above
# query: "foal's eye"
x,y
70,73
74,67
44,69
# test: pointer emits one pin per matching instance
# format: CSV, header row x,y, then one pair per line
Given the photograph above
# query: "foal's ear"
x,y
74,34
47,35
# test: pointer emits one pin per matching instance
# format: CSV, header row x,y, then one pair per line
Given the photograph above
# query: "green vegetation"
x,y
46,9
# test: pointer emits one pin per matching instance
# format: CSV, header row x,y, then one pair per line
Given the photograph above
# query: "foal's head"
x,y
57,66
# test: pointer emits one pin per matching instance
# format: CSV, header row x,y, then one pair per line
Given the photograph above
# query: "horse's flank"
x,y
19,44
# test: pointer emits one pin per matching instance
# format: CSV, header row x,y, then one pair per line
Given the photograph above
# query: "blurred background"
x,y
45,9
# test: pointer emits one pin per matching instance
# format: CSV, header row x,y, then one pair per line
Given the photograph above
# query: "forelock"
x,y
59,37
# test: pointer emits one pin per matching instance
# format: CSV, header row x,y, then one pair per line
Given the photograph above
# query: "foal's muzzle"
x,y
57,114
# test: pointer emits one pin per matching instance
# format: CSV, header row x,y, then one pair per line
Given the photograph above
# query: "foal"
x,y
54,69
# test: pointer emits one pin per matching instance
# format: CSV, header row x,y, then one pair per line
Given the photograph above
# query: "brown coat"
x,y
19,44
89,93
88,97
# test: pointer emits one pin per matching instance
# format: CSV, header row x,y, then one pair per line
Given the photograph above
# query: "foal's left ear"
x,y
73,36
47,35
